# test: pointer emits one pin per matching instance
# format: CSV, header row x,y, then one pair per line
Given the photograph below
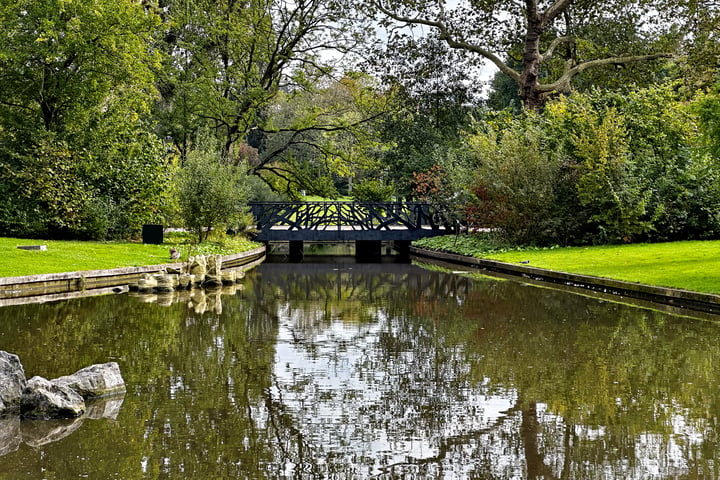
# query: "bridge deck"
x,y
345,234
346,221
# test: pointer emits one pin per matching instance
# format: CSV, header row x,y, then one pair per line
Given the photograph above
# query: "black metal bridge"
x,y
347,221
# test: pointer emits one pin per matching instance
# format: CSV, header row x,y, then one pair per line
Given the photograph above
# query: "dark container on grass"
x,y
152,234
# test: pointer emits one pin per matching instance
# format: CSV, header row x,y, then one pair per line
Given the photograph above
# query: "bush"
x,y
515,185
372,190
600,168
212,195
615,199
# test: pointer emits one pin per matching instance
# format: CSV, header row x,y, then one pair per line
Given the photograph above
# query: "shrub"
x,y
515,185
212,194
372,190
615,199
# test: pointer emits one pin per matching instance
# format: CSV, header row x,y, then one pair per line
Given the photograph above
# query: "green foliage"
x,y
707,107
218,243
420,130
663,172
259,191
227,61
471,245
372,190
615,200
77,154
212,194
598,168
322,138
516,182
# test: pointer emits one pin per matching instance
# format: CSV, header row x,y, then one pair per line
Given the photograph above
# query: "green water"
x,y
385,371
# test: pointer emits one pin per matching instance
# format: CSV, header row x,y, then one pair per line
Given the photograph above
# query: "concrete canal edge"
x,y
58,286
683,299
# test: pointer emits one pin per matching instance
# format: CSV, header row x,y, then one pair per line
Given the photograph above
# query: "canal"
x,y
352,371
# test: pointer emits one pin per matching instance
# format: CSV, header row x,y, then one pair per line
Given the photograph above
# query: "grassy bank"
x,y
689,265
70,256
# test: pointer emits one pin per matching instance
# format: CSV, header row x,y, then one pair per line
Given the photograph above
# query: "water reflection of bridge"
x,y
333,282
365,223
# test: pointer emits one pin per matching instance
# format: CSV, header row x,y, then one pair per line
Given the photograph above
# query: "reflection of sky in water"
x,y
345,399
341,398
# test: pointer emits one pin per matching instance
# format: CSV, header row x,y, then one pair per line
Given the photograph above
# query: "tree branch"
x,y
451,41
562,84
553,45
555,9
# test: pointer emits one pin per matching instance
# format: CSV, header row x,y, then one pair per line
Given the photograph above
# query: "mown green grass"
x,y
689,265
316,198
70,256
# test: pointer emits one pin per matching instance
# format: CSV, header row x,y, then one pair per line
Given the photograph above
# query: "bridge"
x,y
365,223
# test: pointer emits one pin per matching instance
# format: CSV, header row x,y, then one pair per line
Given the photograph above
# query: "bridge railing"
x,y
347,215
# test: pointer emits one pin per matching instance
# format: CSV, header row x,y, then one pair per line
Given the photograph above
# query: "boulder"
x,y
198,266
42,399
214,265
166,283
185,281
94,381
12,382
147,282
174,270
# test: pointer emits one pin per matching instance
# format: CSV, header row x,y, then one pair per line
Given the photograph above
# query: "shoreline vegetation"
x,y
68,256
692,265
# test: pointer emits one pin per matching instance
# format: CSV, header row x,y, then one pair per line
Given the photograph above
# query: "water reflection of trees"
x,y
358,371
597,389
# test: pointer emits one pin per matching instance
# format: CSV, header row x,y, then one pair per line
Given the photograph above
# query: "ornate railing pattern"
x,y
347,216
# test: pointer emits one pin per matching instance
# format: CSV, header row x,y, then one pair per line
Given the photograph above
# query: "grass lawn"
x,y
70,256
689,265
315,198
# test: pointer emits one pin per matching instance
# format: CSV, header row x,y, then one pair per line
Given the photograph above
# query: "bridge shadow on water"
x,y
343,253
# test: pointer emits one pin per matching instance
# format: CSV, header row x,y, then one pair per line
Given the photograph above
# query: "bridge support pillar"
x,y
369,251
403,248
295,250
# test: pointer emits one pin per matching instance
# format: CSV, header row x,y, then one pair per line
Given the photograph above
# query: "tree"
x,y
317,138
212,193
430,102
542,32
228,59
76,88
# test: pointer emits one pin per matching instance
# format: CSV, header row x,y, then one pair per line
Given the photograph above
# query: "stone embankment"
x,y
199,271
677,300
60,286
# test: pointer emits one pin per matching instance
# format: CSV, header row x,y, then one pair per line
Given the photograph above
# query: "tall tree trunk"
x,y
528,83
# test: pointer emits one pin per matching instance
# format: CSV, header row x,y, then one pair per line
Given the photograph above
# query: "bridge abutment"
x,y
296,252
402,247
368,250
